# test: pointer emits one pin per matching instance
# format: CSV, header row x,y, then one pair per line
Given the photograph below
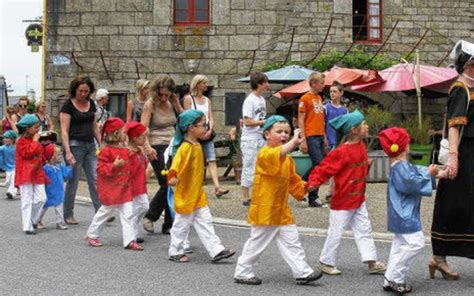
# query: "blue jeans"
x,y
85,156
316,154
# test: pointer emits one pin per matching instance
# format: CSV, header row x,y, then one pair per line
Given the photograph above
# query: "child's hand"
x,y
173,181
118,163
433,170
297,136
36,137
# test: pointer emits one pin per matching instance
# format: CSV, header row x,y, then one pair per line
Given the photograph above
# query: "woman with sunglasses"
x,y
22,109
46,122
159,116
78,131
8,123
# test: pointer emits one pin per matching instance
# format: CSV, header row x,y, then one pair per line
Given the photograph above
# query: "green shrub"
x,y
377,119
418,135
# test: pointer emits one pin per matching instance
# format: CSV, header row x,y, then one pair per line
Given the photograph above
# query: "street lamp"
x,y
3,92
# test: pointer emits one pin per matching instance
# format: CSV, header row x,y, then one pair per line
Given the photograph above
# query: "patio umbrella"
x,y
288,74
345,76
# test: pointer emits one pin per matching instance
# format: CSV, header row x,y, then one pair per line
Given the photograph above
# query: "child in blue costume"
x,y
407,183
58,174
7,161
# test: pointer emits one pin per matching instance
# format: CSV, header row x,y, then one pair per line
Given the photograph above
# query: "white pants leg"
x,y
179,233
100,217
59,213
43,212
33,197
362,230
405,249
289,244
140,207
10,182
127,220
338,222
260,238
205,230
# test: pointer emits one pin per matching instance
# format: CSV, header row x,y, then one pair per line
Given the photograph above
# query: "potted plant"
x,y
420,145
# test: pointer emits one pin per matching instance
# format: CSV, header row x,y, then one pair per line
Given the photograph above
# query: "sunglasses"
x,y
205,125
22,106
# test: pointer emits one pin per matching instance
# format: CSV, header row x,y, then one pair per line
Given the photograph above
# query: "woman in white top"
x,y
197,100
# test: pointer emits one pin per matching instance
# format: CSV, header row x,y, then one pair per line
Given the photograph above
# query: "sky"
x,y
18,64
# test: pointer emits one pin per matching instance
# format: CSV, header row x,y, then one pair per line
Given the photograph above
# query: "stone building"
x,y
118,41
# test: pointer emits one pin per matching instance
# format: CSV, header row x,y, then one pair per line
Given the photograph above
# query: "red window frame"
x,y
368,15
191,15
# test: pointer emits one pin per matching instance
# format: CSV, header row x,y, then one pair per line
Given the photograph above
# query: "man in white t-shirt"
x,y
254,111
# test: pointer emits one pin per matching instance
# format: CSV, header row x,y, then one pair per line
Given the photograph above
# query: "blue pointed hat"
x,y
185,119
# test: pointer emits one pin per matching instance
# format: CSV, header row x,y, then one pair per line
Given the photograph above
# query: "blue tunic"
x,y
55,190
7,158
406,185
331,112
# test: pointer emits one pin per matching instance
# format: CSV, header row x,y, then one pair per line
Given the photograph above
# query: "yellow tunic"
x,y
188,166
275,178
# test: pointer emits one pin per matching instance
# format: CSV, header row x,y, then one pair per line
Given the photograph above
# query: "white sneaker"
x,y
328,269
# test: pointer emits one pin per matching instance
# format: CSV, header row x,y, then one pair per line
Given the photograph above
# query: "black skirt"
x,y
452,231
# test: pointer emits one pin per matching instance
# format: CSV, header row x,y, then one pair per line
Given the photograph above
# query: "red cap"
x,y
394,140
49,151
113,124
134,129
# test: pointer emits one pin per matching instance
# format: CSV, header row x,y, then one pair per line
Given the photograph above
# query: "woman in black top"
x,y
78,130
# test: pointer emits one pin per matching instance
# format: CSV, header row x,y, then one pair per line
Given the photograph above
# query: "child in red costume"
x,y
30,177
349,166
136,133
113,186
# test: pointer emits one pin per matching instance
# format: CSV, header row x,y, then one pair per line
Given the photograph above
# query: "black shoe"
x,y
165,230
246,203
397,288
9,195
316,275
226,253
251,281
111,219
139,240
30,232
315,203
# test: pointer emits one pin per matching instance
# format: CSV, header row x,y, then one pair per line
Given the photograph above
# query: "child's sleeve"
x,y
2,161
180,161
331,165
66,171
297,185
30,150
105,164
412,180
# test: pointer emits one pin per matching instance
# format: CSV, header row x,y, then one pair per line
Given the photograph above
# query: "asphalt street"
x,y
56,262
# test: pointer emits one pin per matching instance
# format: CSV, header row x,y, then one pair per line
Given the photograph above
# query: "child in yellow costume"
x,y
269,212
190,200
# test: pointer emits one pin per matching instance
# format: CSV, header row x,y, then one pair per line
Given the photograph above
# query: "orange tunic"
x,y
113,184
275,178
312,106
29,163
349,166
188,167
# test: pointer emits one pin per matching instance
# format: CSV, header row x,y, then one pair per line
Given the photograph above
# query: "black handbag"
x,y
213,133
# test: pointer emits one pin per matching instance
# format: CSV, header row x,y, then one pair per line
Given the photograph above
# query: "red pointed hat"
x,y
134,129
49,151
394,140
113,124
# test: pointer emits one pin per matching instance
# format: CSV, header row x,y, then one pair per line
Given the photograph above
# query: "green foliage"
x,y
377,119
418,135
31,107
326,60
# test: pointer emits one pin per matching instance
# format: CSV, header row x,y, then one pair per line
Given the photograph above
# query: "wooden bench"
x,y
225,150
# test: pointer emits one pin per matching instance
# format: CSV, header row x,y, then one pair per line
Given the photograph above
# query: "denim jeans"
x,y
316,154
85,155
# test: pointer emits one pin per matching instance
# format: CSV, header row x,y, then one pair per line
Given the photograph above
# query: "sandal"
x,y
378,268
397,288
226,253
220,191
181,258
93,242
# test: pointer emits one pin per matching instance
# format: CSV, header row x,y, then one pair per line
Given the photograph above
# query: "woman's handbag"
x,y
213,133
443,155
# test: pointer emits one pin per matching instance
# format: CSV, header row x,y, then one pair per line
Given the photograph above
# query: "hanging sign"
x,y
34,34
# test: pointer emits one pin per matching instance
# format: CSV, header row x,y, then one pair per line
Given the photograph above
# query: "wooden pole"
x,y
418,85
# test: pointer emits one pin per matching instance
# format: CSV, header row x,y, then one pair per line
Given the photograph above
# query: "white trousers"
x,y
405,249
58,210
339,221
140,207
33,197
10,182
126,219
288,243
201,219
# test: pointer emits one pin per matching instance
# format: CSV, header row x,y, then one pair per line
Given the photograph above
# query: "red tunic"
x,y
138,173
113,184
29,163
349,166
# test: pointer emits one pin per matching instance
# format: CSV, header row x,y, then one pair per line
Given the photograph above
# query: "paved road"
x,y
60,263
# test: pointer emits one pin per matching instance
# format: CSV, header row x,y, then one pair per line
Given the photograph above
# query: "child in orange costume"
x,y
113,186
269,212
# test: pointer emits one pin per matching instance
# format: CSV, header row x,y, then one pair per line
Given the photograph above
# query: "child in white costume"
x,y
7,161
407,183
349,166
269,212
190,200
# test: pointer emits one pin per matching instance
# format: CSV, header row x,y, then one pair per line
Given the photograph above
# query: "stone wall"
x,y
136,38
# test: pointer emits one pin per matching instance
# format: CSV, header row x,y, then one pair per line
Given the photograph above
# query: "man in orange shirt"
x,y
311,124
